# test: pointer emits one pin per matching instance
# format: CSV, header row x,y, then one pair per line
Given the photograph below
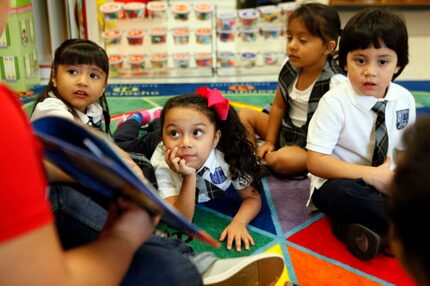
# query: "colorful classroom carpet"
x,y
312,255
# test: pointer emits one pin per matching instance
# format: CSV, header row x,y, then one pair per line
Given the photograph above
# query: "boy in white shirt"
x,y
351,143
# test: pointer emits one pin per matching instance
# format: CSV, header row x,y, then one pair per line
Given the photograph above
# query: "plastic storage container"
x,y
135,37
203,11
111,37
181,11
181,60
159,60
111,10
134,10
181,35
136,62
226,59
156,10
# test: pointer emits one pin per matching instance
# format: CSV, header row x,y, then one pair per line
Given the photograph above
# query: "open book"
x,y
93,161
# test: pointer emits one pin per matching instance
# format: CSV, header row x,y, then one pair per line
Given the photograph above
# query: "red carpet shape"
x,y
317,237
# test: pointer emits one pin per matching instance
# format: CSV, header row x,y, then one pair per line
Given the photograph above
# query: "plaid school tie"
x,y
91,123
381,144
212,190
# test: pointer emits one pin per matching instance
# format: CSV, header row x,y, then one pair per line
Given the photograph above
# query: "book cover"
x,y
92,160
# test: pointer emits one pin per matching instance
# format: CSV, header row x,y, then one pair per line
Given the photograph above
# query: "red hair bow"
x,y
215,99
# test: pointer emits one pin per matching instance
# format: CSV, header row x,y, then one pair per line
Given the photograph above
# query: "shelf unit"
x,y
248,51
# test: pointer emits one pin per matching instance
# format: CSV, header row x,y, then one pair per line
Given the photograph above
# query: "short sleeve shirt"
x,y
343,125
52,106
169,182
23,204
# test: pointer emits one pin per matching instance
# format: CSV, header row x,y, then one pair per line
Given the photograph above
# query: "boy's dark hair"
x,y
410,199
320,20
376,27
78,52
239,153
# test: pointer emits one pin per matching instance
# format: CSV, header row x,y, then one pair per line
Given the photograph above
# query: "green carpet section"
x,y
214,225
422,98
124,104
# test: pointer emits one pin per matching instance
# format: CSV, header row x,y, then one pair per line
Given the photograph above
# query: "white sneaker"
x,y
260,269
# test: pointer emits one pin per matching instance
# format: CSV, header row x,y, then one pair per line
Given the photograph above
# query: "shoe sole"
x,y
373,241
259,269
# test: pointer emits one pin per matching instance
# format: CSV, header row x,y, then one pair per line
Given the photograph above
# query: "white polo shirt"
x,y
170,182
53,106
343,125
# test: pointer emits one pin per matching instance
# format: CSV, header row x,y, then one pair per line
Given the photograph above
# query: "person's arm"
x,y
184,202
236,231
36,257
275,119
326,166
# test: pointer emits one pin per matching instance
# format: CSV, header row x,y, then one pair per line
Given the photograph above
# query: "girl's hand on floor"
x,y
236,232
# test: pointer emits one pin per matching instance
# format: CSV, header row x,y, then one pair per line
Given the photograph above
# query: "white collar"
x,y
94,110
365,103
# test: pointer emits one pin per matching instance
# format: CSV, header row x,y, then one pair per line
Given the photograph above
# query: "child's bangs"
x,y
84,55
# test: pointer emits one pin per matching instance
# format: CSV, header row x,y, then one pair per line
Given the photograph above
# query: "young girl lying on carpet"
x,y
203,154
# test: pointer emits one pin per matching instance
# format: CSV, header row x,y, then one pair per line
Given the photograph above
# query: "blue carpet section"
x,y
423,111
130,90
415,85
143,90
230,203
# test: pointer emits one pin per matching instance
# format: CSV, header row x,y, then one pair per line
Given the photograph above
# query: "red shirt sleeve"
x,y
23,203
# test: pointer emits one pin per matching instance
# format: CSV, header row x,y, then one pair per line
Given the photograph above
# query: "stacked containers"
x,y
249,20
226,23
129,51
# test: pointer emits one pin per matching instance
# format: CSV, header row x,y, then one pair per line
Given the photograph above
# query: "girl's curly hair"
x,y
239,153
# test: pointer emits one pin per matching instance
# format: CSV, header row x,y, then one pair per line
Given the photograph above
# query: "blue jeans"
x,y
160,261
163,261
